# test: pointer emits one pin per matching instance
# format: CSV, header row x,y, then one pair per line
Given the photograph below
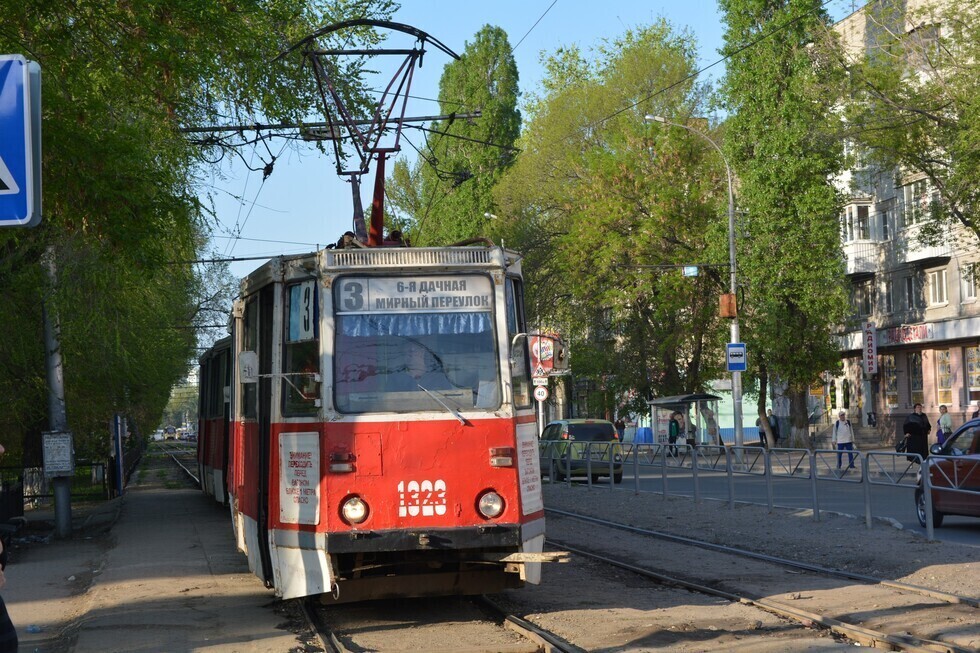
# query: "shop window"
x,y
944,377
889,378
972,355
915,377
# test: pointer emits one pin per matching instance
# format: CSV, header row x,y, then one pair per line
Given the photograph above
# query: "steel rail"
x,y
172,452
325,637
795,564
861,634
549,642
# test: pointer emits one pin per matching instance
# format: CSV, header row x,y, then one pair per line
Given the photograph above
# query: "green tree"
x,y
606,208
781,139
914,104
121,214
447,195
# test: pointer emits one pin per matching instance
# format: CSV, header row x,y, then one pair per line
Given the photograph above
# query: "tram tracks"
x,y
456,625
184,458
871,611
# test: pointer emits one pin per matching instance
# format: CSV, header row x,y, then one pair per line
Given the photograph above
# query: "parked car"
x,y
954,464
570,438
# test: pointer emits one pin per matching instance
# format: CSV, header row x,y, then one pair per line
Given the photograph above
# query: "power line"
x,y
534,25
712,65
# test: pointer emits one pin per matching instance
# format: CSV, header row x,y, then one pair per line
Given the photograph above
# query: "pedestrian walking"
x,y
916,428
944,425
774,427
762,433
976,409
843,440
8,634
620,428
673,432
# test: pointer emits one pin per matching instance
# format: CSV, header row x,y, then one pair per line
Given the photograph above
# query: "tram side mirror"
x,y
248,367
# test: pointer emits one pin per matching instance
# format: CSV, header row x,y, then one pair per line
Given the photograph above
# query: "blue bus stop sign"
x,y
736,357
19,189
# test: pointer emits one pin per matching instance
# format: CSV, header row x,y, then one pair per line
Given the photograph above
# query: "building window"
x,y
884,224
910,292
944,377
968,282
937,287
915,377
863,298
973,373
889,378
887,300
863,227
916,196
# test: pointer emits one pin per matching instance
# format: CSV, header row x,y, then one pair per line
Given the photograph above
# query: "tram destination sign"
x,y
422,294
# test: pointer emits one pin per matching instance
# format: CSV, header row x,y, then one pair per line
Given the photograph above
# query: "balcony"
x,y
911,249
861,256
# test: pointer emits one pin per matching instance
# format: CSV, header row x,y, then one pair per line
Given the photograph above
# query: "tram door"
x,y
266,301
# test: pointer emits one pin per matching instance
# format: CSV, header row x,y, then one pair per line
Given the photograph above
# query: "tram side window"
x,y
520,372
250,340
301,351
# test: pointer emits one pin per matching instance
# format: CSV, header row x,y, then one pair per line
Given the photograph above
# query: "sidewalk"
x,y
154,571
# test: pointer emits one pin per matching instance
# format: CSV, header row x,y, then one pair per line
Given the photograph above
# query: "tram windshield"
x,y
415,344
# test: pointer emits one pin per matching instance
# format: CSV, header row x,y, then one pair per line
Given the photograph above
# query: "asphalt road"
x,y
891,492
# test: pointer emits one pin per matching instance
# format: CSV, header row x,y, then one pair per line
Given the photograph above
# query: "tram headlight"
x,y
354,510
490,504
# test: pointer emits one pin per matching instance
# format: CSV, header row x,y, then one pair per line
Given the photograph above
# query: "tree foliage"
x,y
606,209
447,195
781,137
121,215
914,104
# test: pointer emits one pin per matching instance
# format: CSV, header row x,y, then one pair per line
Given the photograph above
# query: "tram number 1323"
x,y
426,498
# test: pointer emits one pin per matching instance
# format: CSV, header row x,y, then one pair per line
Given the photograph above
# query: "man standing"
x,y
774,425
843,440
917,429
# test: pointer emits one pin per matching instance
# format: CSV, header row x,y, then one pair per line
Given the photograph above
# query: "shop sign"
x,y
869,348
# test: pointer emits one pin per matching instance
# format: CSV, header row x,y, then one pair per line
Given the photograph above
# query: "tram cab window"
x,y
520,371
301,350
250,341
419,343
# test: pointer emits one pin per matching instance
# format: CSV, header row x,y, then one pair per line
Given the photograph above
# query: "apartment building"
x,y
914,333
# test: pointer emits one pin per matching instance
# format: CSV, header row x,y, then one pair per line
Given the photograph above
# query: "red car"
x,y
954,465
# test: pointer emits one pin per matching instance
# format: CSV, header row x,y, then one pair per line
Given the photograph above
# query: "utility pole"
x,y
57,414
736,376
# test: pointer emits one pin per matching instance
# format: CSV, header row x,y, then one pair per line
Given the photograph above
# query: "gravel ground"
x,y
836,541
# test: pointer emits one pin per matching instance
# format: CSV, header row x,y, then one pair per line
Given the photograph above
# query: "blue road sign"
x,y
736,357
17,187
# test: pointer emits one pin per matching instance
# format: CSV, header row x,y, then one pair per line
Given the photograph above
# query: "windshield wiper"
x,y
452,411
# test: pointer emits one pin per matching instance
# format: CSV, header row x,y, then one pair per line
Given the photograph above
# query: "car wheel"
x,y
920,510
618,477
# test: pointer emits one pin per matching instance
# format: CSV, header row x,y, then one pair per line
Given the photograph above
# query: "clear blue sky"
x,y
303,204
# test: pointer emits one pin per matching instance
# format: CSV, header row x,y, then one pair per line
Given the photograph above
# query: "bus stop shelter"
x,y
699,418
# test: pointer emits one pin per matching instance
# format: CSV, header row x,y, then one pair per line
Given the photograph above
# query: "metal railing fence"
x,y
562,460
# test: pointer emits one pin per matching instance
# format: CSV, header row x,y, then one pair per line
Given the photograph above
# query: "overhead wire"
x,y
696,73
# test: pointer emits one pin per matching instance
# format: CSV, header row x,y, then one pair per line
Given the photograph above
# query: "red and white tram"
x,y
383,439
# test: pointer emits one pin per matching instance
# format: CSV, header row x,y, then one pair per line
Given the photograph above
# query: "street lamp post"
x,y
736,376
